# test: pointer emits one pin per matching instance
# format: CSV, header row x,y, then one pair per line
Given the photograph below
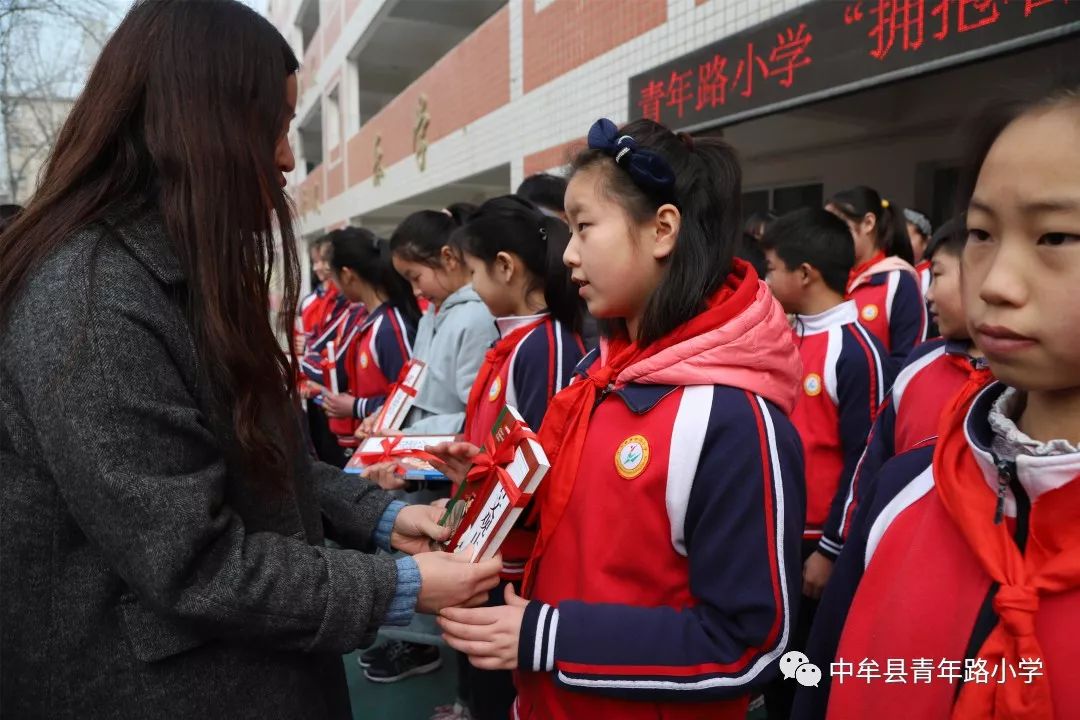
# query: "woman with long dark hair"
x,y
161,525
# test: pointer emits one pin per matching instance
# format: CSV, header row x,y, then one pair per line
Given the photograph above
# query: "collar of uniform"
x,y
142,231
1037,474
510,323
639,398
382,309
843,314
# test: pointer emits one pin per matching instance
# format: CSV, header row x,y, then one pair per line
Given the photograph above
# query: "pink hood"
x,y
753,351
885,265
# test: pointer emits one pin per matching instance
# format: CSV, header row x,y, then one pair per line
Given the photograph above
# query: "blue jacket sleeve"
x,y
744,517
907,318
879,449
860,391
811,703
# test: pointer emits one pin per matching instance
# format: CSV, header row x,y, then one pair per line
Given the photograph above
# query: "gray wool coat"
x,y
142,575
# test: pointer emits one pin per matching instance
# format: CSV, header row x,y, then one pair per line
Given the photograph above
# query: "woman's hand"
x,y
488,635
416,527
338,406
455,459
386,475
448,580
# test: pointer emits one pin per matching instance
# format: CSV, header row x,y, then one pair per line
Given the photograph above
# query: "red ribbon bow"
x,y
390,452
489,466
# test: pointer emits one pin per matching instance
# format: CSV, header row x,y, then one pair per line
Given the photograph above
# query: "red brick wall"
x,y
331,22
568,33
466,84
335,180
309,196
553,157
309,65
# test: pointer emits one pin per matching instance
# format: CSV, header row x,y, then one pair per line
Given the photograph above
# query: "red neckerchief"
x,y
489,369
567,419
1051,564
860,269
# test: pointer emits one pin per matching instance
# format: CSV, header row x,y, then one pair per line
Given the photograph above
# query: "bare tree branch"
x,y
46,47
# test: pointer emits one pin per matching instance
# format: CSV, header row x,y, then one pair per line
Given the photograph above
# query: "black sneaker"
x,y
403,660
372,654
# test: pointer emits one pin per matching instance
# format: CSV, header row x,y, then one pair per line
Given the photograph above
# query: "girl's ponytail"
x,y
890,226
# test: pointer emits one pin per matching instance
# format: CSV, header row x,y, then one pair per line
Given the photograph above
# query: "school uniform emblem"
x,y
812,384
364,360
496,387
632,457
870,313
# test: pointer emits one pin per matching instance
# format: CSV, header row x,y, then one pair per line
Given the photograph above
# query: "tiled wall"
x,y
522,90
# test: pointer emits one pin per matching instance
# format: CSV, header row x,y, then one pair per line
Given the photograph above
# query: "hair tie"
x,y
649,170
884,203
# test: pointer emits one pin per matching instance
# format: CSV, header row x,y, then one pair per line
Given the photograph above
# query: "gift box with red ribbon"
x,y
499,486
401,397
406,450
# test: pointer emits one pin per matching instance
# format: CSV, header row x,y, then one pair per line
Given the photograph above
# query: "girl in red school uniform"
x,y
883,283
374,350
666,570
967,551
514,254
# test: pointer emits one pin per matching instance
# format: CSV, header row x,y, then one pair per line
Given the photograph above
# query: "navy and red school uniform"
x,y
891,304
667,571
910,585
340,329
846,373
909,417
319,313
533,359
373,359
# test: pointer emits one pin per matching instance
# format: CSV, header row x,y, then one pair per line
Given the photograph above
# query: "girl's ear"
x,y
869,223
667,223
503,267
449,258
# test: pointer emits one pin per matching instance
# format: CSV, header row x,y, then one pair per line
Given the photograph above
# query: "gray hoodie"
x,y
452,342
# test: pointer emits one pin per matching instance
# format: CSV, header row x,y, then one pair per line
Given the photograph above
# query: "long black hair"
x,y
707,192
209,172
368,256
514,225
421,236
890,226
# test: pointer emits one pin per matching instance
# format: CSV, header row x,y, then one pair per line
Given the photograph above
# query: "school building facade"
x,y
415,104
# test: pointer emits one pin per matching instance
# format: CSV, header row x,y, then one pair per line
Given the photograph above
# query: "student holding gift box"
x,y
666,572
375,350
514,253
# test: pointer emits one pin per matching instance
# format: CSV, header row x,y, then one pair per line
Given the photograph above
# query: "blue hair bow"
x,y
649,170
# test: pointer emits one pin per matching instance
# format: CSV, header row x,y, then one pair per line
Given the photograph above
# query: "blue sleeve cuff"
x,y
536,641
381,538
403,605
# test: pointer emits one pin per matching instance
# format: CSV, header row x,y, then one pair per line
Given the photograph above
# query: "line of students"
x,y
704,461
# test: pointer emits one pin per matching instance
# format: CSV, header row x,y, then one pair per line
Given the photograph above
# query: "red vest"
x,y
919,598
614,544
